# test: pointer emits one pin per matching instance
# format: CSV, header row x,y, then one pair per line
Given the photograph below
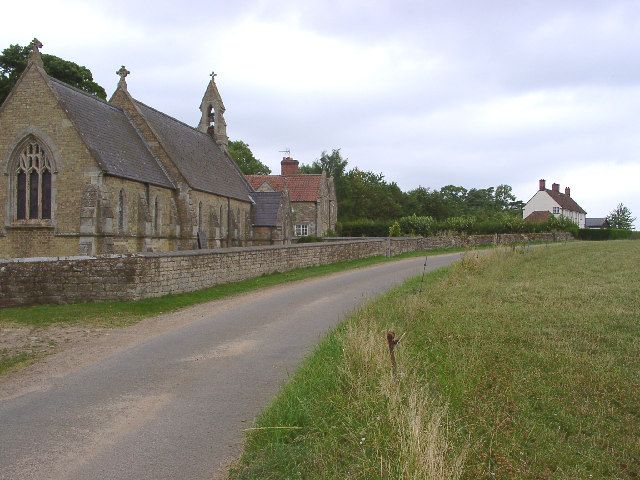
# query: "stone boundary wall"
x,y
31,281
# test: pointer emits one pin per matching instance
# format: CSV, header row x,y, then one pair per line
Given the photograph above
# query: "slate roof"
x,y
302,187
111,138
538,216
565,201
596,223
196,155
265,212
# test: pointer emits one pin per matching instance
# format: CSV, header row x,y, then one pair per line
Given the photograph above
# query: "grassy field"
x,y
122,313
517,364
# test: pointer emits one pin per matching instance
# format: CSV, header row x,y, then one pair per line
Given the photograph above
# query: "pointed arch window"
x,y
33,180
121,210
156,216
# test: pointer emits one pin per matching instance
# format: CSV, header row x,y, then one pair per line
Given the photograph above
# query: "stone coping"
x,y
331,241
188,253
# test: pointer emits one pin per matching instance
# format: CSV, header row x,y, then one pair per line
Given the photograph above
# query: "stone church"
x,y
82,176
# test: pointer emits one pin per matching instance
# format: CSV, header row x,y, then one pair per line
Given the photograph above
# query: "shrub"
x,y
309,239
457,224
415,225
365,228
561,223
394,230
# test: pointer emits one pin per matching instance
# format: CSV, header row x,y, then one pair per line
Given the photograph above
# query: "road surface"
x,y
169,398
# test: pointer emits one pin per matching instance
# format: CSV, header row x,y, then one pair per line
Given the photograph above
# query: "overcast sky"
x,y
471,93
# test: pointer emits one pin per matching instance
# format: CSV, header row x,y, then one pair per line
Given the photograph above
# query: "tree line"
x,y
363,196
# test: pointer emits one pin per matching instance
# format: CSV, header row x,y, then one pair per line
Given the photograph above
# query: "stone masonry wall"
x,y
30,281
412,244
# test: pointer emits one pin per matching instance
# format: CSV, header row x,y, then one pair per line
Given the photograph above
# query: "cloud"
x,y
428,93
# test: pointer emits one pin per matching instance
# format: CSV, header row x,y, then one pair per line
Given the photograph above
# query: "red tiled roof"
x,y
565,201
538,216
302,187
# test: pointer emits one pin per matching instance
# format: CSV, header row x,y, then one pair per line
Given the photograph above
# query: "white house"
x,y
551,202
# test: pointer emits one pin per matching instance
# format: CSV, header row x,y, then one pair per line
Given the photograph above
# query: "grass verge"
x,y
121,313
16,362
518,364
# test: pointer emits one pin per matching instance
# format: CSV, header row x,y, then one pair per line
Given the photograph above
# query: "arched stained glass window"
x,y
33,178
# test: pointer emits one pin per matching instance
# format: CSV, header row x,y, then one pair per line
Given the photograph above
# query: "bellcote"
x,y
212,109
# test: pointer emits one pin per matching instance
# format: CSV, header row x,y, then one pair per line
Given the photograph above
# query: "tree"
x,y
621,218
332,163
248,163
13,61
368,195
506,200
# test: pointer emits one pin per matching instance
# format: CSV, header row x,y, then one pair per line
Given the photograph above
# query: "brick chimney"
x,y
567,191
555,187
543,185
289,166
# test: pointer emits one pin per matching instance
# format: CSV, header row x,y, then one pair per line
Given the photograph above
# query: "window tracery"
x,y
33,177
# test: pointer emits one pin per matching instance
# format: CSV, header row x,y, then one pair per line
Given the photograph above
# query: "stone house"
x,y
552,202
313,197
271,218
85,176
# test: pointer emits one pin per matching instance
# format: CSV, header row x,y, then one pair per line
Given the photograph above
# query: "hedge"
x,y
364,228
604,234
426,226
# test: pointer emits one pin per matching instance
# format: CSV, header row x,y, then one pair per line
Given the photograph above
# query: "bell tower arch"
x,y
212,120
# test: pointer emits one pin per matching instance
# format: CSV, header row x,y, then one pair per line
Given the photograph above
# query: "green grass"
x,y
121,313
518,364
16,362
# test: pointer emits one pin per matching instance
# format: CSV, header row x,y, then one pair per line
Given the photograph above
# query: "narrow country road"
x,y
169,398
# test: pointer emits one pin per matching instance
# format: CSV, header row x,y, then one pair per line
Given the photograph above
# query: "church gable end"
x,y
44,164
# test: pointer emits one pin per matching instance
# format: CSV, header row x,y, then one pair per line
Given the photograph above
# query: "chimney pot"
x,y
543,186
289,166
567,191
555,187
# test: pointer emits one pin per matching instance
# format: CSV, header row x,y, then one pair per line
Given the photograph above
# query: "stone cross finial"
x,y
34,56
123,72
213,76
36,45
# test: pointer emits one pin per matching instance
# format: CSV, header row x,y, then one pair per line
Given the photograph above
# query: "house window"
x,y
33,183
556,210
302,230
200,216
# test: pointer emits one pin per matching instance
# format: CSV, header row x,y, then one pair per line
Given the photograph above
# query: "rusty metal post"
x,y
392,342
